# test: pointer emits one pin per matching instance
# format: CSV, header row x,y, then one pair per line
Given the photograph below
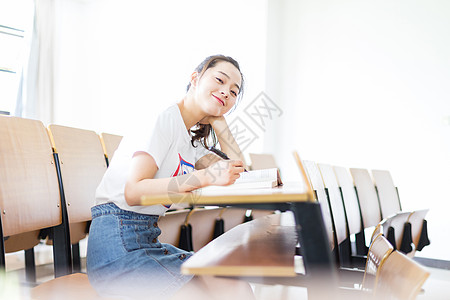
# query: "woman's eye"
x,y
234,93
219,80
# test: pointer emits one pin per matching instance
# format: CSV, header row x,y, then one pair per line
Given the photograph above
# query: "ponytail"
x,y
204,133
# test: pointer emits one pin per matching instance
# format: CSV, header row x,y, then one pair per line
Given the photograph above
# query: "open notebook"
x,y
265,178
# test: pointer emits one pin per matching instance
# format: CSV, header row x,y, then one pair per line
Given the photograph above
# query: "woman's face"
x,y
217,89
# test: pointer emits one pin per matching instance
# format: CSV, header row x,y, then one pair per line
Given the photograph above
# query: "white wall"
x,y
359,83
366,84
123,61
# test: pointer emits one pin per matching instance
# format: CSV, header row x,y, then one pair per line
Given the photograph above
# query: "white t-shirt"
x,y
168,142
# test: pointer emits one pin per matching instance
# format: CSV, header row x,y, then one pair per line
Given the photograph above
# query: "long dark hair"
x,y
204,132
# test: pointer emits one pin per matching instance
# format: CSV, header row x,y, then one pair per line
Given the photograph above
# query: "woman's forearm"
x,y
224,172
162,186
226,140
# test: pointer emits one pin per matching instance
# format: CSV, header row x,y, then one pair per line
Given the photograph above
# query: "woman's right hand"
x,y
224,172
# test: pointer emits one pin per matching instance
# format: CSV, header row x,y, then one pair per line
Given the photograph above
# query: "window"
x,y
15,27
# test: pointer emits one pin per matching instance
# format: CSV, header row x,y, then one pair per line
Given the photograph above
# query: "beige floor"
x,y
13,287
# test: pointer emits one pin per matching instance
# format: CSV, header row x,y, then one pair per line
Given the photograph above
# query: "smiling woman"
x,y
216,77
135,263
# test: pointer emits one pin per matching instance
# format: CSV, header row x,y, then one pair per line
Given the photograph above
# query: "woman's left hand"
x,y
219,124
225,137
211,120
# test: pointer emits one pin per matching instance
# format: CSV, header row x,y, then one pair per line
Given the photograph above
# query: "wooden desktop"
x,y
296,197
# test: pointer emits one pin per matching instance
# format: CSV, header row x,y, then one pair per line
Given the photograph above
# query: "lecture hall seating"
x,y
390,201
28,154
30,198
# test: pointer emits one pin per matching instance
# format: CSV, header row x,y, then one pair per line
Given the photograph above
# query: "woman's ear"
x,y
194,79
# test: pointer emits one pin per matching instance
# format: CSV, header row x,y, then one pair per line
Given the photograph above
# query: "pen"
x,y
221,154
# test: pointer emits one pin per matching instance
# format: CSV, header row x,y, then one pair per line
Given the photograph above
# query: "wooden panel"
x,y
262,161
416,219
202,222
82,167
235,216
317,184
261,247
397,222
335,198
29,191
203,225
288,192
70,287
305,179
170,226
367,195
77,232
378,252
387,193
23,241
400,278
377,231
350,200
110,143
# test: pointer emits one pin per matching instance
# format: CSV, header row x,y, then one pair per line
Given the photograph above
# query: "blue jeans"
x,y
125,258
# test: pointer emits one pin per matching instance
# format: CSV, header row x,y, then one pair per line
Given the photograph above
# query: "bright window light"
x,y
16,19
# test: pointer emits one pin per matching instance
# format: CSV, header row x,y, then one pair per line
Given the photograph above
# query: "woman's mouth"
x,y
219,100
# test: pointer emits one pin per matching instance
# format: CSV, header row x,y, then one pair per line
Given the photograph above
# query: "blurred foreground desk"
x,y
295,197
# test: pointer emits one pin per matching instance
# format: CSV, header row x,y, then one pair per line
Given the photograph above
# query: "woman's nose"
x,y
224,94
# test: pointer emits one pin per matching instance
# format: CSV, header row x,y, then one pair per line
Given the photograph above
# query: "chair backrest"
x,y
378,252
416,219
352,211
22,241
83,164
316,181
110,142
378,230
400,278
335,199
262,161
387,193
367,196
396,223
29,190
304,175
202,223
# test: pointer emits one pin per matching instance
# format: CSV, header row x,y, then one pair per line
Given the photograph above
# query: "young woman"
x,y
124,255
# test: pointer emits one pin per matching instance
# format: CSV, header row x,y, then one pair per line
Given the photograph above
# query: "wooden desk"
x,y
289,192
263,247
293,197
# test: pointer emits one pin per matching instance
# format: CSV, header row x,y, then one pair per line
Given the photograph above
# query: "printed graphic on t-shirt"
x,y
183,167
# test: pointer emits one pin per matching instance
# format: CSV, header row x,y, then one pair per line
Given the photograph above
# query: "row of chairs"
x,y
352,204
407,231
352,208
48,178
388,274
359,202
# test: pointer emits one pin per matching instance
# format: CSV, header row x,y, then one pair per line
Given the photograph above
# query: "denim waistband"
x,y
111,208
